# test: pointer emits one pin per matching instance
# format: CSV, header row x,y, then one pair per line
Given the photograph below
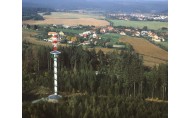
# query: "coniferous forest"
x,y
93,84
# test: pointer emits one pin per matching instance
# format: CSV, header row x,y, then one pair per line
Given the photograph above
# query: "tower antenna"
x,y
54,97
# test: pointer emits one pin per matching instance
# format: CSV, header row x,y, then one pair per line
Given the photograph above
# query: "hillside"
x,y
152,54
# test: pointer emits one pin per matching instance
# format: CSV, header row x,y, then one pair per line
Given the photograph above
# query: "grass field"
x,y
70,19
152,54
140,24
112,36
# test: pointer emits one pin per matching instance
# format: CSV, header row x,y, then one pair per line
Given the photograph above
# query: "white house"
x,y
144,33
122,33
94,35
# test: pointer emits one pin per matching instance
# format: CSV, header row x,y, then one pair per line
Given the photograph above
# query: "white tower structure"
x,y
54,97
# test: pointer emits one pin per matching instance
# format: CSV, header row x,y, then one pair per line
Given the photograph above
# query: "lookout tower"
x,y
54,97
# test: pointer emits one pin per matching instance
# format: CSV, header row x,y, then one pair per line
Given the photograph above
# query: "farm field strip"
x,y
70,22
140,24
64,15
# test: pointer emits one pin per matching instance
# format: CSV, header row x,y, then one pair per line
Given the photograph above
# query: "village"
x,y
138,17
92,36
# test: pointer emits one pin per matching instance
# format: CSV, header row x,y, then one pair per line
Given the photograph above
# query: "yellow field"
x,y
152,54
64,15
70,19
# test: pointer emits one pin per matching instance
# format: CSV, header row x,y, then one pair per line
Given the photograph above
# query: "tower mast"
x,y
54,97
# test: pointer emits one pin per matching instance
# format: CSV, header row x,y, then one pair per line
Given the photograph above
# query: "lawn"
x,y
155,25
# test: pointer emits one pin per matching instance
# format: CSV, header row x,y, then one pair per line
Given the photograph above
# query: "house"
x,y
150,34
87,32
94,35
103,30
84,35
144,33
122,33
66,26
110,28
61,33
81,34
52,33
137,33
128,30
156,38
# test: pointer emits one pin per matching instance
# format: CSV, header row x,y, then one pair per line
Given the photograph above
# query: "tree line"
x,y
32,13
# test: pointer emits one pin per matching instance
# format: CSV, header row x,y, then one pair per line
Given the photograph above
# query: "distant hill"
x,y
123,6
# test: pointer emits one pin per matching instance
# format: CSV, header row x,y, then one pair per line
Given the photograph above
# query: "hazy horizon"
x,y
107,5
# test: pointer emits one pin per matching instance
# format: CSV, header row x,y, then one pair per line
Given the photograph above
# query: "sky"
x,y
87,0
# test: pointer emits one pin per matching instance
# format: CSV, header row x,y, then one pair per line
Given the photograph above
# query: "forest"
x,y
29,13
93,84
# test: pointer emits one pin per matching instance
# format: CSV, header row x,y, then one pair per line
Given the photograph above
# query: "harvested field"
x,y
152,54
64,15
70,22
70,19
